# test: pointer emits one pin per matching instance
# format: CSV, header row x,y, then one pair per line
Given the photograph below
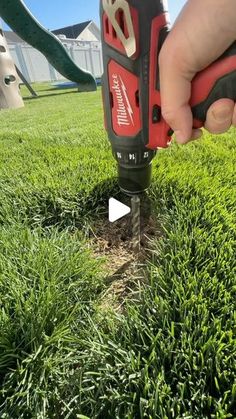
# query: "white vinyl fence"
x,y
35,67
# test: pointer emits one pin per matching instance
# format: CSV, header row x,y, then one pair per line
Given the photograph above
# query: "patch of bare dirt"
x,y
125,268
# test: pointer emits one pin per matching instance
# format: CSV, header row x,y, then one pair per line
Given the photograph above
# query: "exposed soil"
x,y
125,268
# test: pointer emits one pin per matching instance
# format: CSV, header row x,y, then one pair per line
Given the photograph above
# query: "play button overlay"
x,y
117,210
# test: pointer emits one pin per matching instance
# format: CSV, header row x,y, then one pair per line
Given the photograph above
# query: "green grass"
x,y
172,354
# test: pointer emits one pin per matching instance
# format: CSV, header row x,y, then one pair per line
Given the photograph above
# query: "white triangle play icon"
x,y
117,210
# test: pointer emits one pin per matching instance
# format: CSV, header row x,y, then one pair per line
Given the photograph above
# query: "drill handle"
x,y
216,82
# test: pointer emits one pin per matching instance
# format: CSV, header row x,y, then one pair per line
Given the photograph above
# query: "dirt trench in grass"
x,y
125,268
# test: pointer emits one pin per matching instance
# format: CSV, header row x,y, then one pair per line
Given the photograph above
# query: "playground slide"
x,y
20,19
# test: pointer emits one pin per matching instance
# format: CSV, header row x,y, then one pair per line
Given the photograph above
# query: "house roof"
x,y
72,31
12,37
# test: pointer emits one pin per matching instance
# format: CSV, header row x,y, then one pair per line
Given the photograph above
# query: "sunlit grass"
x,y
172,354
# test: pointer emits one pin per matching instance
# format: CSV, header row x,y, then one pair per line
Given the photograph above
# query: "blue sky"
x,y
57,13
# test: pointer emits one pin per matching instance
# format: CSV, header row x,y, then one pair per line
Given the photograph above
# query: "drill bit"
x,y
136,242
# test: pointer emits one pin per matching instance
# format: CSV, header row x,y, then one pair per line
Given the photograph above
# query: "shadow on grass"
x,y
55,89
49,95
86,208
70,211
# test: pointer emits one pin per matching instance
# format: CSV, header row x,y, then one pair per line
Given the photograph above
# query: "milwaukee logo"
x,y
124,109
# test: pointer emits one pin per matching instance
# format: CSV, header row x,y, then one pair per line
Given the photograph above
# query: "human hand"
x,y
202,32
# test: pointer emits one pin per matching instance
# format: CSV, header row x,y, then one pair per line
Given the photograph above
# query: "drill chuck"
x,y
134,181
134,168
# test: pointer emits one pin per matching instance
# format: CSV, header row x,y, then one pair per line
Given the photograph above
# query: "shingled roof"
x,y
72,31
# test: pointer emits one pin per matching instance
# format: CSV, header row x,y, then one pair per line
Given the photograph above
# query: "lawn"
x,y
162,342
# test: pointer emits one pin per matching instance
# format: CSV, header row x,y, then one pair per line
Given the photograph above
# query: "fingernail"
x,y
221,115
180,137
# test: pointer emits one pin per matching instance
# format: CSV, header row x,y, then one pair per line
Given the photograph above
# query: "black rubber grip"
x,y
224,87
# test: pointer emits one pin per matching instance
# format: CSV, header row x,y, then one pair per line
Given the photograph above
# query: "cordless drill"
x,y
133,32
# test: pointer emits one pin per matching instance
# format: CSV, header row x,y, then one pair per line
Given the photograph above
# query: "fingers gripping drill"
x,y
133,32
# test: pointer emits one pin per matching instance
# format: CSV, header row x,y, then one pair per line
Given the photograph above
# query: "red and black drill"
x,y
133,32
